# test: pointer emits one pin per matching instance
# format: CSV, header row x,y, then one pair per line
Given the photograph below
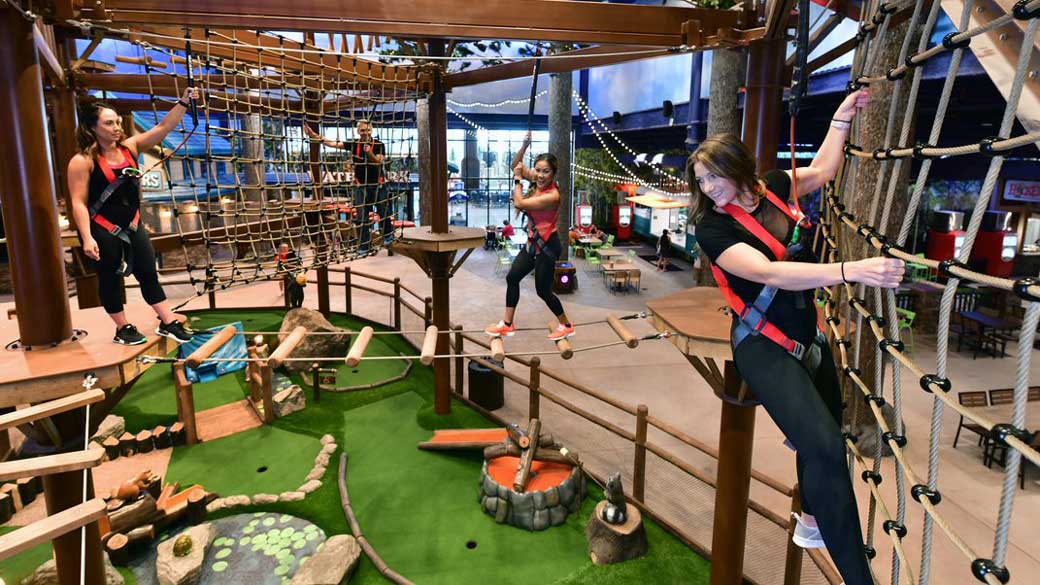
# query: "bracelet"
x,y
183,104
840,124
843,272
840,120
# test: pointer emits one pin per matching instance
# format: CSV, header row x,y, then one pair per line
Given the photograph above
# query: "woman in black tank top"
x,y
103,185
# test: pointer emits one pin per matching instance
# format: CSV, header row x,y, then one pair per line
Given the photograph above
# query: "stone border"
x,y
310,483
369,386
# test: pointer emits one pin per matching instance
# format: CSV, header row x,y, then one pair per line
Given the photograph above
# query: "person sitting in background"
x,y
507,229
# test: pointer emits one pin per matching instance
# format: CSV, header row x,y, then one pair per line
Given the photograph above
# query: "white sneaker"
x,y
806,536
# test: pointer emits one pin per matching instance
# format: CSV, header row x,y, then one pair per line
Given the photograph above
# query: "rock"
x,y
291,496
330,448
310,486
317,473
47,574
185,570
234,501
215,506
111,426
326,439
265,499
331,565
322,459
313,345
289,401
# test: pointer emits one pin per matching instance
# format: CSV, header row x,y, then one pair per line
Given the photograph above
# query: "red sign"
x,y
1027,191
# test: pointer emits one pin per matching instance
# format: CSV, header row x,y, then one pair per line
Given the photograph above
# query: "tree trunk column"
x,y
440,262
765,97
27,182
62,491
560,127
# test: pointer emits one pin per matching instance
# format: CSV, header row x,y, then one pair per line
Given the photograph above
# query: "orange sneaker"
x,y
500,329
562,332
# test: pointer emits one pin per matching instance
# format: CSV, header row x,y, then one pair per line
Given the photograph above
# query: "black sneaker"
x,y
129,335
175,330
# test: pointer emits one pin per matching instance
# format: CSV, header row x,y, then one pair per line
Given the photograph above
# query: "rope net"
x,y
875,313
241,175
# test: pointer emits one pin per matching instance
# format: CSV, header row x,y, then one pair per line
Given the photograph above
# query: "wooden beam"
x,y
50,464
832,55
47,409
591,57
51,64
51,527
544,20
778,13
819,34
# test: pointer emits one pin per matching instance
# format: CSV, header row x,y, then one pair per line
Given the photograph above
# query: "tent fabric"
x,y
210,370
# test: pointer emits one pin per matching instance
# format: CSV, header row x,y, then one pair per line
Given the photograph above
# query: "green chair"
x,y
593,263
505,262
918,271
906,321
632,254
609,243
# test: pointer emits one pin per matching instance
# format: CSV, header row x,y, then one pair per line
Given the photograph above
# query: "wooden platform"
x,y
421,239
454,439
48,373
227,419
700,328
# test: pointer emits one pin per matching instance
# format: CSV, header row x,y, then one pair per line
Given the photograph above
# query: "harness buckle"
x,y
798,351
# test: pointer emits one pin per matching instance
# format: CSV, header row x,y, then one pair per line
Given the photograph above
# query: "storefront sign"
x,y
1026,191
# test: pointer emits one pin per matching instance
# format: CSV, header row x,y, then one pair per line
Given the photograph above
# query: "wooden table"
x,y
590,241
977,323
609,253
701,332
619,271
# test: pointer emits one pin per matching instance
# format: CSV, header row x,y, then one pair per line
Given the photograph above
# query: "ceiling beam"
x,y
533,20
819,34
591,57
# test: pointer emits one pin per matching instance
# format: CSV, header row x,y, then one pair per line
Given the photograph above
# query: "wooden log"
x,y
27,490
498,349
177,435
161,437
186,402
287,346
546,455
141,61
117,547
534,429
213,344
113,504
111,446
141,536
615,543
144,442
165,493
521,438
6,507
357,349
267,392
429,346
627,336
133,514
566,352
196,506
127,444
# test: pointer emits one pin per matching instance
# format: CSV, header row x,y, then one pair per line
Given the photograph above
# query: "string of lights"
x,y
511,101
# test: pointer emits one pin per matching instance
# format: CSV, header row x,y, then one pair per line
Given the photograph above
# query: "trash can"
x,y
486,386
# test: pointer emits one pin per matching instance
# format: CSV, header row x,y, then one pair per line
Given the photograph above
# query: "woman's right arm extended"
x,y
78,178
748,263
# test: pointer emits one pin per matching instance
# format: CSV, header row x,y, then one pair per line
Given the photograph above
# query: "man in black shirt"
x,y
367,156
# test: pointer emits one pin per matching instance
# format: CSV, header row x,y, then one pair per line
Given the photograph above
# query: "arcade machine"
x,y
583,216
945,235
995,245
623,220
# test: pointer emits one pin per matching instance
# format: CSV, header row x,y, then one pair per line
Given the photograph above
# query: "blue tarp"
x,y
209,370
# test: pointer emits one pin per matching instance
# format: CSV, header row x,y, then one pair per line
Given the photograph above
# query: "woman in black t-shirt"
x,y
789,368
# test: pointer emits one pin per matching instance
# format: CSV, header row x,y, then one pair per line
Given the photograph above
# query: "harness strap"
x,y
751,319
114,182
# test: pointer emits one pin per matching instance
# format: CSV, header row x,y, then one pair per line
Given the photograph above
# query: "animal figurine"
x,y
131,488
616,510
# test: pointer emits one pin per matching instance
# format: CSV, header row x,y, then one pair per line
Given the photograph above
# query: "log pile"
x,y
161,437
141,507
514,502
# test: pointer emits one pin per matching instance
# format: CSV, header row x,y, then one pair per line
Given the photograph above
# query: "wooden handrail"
x,y
50,464
51,527
50,408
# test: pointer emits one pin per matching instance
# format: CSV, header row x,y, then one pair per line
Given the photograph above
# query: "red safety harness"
x,y
752,318
131,174
358,154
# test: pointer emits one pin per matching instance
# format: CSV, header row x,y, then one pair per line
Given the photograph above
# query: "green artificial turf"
x,y
417,508
265,460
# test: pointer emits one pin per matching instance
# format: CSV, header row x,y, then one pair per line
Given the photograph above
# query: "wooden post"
x,y
793,562
534,429
460,362
639,465
737,433
397,304
317,382
62,491
323,291
348,304
27,182
428,312
266,392
185,402
533,396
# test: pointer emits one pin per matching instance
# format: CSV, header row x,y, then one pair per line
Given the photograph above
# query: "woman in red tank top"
x,y
542,205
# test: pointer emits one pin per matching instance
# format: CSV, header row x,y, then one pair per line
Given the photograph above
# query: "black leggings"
x,y
544,266
109,284
809,414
